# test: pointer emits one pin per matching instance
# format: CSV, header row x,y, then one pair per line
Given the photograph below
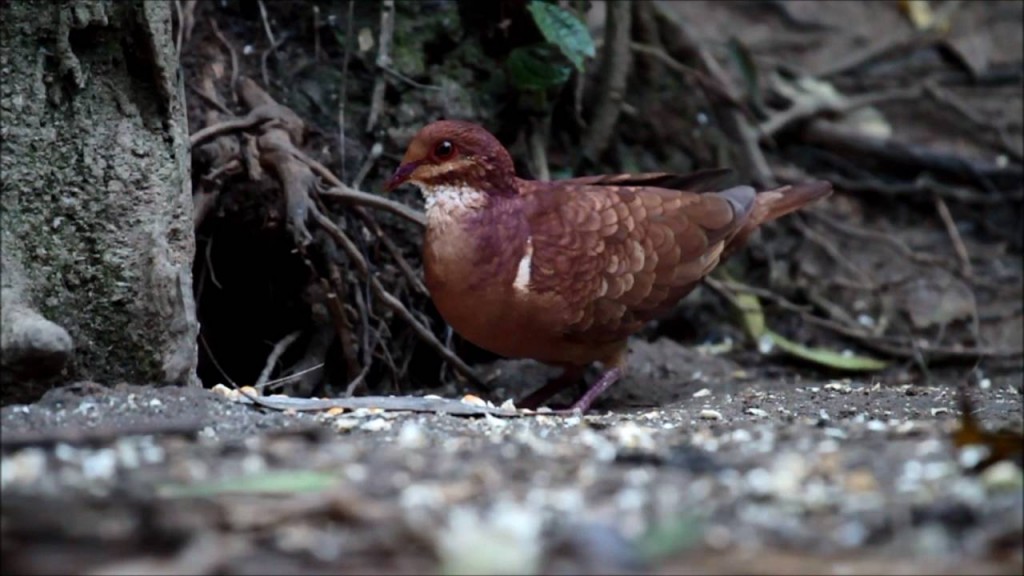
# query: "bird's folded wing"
x,y
620,256
699,181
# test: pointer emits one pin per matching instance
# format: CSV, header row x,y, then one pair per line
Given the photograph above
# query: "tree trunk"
x,y
96,216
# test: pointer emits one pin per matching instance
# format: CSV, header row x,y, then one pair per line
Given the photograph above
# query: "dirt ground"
x,y
709,458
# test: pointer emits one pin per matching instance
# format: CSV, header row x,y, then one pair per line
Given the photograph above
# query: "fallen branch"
x,y
906,156
385,403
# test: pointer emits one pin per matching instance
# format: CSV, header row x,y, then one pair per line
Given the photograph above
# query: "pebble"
x,y
838,387
376,425
877,426
629,435
505,540
345,424
756,412
861,480
23,467
501,423
100,464
473,400
702,393
837,433
741,436
604,450
411,436
709,414
940,410
972,454
1002,475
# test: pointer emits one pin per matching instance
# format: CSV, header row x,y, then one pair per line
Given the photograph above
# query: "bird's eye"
x,y
444,150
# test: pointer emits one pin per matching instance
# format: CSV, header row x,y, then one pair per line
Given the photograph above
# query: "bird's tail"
x,y
772,204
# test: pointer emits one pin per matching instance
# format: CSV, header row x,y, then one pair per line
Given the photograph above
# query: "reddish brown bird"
x,y
565,271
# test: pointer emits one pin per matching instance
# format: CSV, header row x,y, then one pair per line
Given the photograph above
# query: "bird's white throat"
x,y
444,203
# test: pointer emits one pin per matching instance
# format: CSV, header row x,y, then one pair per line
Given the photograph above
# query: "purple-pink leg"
x,y
570,376
610,376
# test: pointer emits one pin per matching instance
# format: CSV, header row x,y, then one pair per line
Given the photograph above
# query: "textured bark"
x,y
96,206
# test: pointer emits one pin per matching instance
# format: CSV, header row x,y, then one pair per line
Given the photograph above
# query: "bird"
x,y
564,271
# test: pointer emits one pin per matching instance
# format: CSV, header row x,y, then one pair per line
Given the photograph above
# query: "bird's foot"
x,y
609,377
571,375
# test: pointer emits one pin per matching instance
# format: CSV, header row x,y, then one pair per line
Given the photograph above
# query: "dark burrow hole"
x,y
251,290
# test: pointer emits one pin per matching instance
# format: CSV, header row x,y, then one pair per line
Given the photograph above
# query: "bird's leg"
x,y
608,378
571,375
614,368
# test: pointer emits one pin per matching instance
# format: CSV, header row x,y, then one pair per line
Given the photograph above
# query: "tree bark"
x,y
96,217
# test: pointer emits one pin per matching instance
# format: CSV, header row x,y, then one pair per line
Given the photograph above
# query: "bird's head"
x,y
457,160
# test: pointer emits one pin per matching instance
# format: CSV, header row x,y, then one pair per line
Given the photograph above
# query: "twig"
x,y
387,30
251,120
617,63
263,57
275,354
181,25
920,187
390,301
724,286
410,276
982,125
210,100
702,79
877,236
896,347
734,120
234,57
860,277
809,107
893,153
213,359
954,236
910,40
375,151
266,24
283,379
337,295
316,33
343,97
209,263
346,193
410,81
537,142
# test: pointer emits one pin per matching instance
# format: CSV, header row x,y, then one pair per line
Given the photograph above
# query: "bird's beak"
x,y
401,175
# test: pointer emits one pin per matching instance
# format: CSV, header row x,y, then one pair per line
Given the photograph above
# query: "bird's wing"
x,y
620,256
699,181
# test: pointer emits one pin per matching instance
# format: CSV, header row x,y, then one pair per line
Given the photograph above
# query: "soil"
x,y
709,458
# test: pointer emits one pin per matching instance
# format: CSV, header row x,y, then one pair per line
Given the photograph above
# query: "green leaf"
x,y
563,29
537,67
825,357
754,323
272,482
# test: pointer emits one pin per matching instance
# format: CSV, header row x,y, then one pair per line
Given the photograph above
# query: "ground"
x,y
710,457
